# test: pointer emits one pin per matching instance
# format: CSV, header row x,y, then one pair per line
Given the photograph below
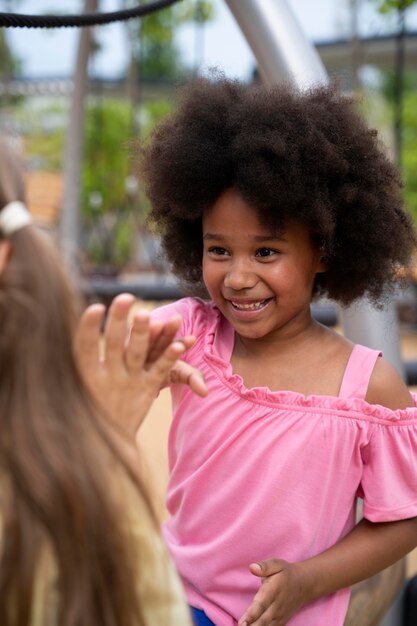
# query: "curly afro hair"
x,y
306,157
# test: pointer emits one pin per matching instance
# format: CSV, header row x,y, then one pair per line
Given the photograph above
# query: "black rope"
x,y
16,20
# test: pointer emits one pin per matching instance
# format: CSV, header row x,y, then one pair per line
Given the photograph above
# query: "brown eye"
x,y
266,252
217,250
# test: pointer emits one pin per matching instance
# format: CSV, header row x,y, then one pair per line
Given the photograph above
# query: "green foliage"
x,y
386,6
409,131
107,208
199,11
407,100
10,65
106,166
157,53
152,113
123,241
106,161
409,145
389,79
409,152
46,149
44,134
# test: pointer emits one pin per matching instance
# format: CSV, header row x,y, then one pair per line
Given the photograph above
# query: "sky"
x,y
51,53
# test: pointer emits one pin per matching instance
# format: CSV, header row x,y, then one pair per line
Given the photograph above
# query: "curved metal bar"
x,y
282,50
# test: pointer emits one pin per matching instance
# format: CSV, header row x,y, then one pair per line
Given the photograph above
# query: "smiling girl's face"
x,y
261,281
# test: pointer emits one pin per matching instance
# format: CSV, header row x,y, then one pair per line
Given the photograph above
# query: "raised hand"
x,y
280,595
116,362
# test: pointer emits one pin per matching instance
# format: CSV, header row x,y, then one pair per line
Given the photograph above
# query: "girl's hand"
x,y
280,596
184,374
161,335
117,364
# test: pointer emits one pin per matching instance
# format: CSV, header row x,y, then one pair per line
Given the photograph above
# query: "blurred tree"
x,y
152,40
400,8
107,155
105,204
399,88
10,64
409,151
154,57
44,143
385,6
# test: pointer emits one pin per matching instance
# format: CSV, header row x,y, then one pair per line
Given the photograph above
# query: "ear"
x,y
5,251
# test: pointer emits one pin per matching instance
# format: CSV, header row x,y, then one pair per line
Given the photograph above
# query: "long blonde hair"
x,y
54,447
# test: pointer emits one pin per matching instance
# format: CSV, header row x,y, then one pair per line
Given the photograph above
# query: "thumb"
x,y
266,568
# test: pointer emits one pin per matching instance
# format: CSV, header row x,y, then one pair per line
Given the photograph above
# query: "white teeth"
x,y
249,307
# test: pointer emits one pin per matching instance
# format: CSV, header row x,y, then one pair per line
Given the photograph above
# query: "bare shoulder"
x,y
387,388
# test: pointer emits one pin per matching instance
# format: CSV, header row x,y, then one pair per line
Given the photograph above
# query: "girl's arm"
x,y
365,551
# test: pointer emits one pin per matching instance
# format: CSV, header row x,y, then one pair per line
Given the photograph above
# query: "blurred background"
x,y
79,101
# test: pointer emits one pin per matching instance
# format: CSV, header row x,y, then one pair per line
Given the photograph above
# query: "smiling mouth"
x,y
253,306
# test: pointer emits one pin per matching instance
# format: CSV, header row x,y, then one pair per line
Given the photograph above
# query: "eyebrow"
x,y
214,236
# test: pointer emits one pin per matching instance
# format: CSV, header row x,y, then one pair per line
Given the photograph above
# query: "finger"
x,y
256,610
185,374
159,370
265,596
198,385
138,344
260,615
88,336
260,607
268,567
116,331
187,340
164,338
155,328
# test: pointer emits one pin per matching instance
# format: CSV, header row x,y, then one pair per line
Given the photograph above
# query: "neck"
x,y
285,340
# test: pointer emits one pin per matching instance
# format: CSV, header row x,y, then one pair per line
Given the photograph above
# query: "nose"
x,y
240,276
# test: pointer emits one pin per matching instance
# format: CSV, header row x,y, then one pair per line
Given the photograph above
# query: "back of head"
x,y
301,156
37,304
11,181
57,460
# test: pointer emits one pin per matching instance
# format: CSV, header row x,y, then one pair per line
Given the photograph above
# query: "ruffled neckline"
x,y
217,351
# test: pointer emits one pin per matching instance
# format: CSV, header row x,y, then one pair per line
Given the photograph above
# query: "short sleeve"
x,y
389,480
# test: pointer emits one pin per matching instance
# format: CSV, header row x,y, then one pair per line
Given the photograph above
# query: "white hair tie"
x,y
13,217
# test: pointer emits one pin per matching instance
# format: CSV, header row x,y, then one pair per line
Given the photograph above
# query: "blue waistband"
x,y
200,618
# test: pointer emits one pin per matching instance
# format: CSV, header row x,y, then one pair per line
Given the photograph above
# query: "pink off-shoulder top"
x,y
256,474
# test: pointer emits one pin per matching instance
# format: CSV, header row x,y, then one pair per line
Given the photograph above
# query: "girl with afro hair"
x,y
266,198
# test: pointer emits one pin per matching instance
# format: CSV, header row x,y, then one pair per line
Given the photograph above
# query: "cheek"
x,y
212,275
289,278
